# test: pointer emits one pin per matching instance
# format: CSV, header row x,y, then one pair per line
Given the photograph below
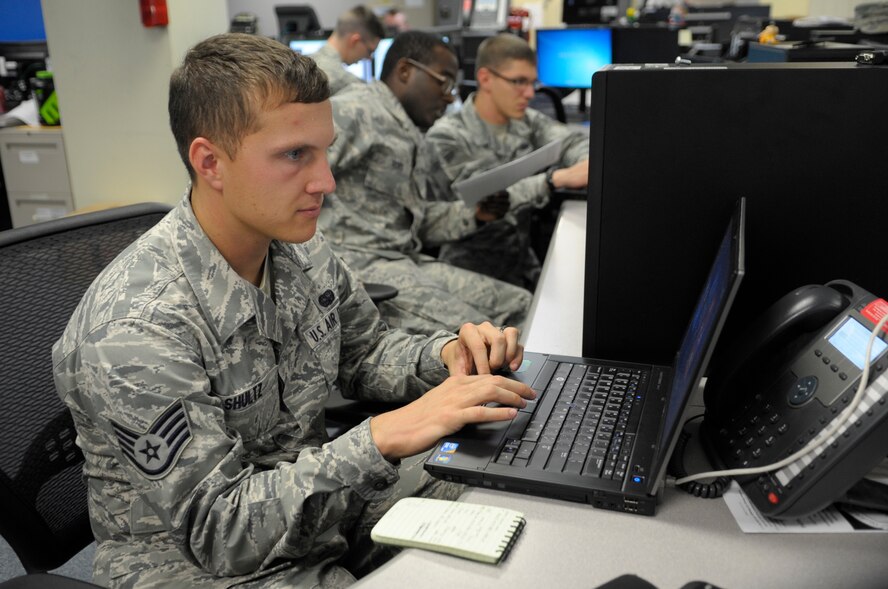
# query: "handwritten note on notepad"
x,y
478,532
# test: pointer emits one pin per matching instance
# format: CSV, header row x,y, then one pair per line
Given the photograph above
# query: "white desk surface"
x,y
574,545
556,313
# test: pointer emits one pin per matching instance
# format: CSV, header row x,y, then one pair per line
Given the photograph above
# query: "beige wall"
x,y
111,74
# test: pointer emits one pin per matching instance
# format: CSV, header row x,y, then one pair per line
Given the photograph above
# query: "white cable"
x,y
824,434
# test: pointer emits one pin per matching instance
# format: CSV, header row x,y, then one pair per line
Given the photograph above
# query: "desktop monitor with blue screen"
x,y
567,58
379,56
362,69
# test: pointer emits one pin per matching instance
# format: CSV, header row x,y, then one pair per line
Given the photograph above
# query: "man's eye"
x,y
295,154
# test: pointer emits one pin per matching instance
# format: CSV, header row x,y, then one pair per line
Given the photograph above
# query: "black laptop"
x,y
599,432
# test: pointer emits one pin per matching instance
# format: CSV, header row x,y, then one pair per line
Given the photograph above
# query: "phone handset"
x,y
769,342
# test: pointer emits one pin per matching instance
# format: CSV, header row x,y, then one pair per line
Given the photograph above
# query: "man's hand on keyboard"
x,y
457,401
483,349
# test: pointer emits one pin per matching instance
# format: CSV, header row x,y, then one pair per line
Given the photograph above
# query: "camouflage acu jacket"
x,y
381,202
338,77
461,146
199,400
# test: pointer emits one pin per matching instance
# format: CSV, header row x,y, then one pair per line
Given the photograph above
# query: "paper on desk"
x,y
828,521
24,114
501,177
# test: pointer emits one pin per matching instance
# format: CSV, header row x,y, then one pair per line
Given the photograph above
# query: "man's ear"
x,y
204,158
353,40
402,70
482,77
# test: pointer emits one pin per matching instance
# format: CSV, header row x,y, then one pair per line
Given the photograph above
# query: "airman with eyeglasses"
x,y
495,126
385,214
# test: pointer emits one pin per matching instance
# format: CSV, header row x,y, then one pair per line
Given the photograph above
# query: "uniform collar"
x,y
394,106
516,129
226,299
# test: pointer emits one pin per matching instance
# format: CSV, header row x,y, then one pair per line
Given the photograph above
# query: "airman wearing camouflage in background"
x,y
381,218
355,37
495,126
198,363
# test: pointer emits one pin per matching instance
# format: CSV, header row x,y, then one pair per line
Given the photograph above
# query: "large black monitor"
x,y
648,43
799,141
567,58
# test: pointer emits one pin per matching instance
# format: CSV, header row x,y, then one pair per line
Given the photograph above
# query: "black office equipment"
x,y
722,18
784,382
22,61
244,22
452,13
804,51
796,139
44,271
581,12
470,41
644,44
599,432
297,21
488,14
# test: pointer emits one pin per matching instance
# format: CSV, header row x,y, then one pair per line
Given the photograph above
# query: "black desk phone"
x,y
781,383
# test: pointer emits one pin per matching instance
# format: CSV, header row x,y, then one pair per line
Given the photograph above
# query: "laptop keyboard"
x,y
584,422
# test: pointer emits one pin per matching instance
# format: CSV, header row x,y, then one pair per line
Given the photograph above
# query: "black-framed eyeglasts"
x,y
448,84
519,84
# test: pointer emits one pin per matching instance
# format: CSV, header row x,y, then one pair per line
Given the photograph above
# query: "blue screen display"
x,y
851,339
309,46
567,58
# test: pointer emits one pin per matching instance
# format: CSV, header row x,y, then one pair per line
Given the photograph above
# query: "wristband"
x,y
550,184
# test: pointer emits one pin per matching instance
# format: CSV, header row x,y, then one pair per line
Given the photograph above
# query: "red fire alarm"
x,y
154,13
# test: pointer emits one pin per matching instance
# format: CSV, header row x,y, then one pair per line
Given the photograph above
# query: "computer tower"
x,y
673,148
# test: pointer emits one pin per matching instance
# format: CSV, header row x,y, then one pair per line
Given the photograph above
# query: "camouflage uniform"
x,y
462,145
338,77
380,218
199,406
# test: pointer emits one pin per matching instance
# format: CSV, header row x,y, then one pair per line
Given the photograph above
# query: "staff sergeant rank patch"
x,y
155,451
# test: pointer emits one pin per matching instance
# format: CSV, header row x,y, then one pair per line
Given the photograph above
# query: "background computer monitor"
x,y
567,58
379,56
362,69
664,174
646,43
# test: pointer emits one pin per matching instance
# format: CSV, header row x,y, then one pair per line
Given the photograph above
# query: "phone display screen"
x,y
851,338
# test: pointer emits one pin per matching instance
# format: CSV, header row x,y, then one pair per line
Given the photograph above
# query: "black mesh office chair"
x,y
44,271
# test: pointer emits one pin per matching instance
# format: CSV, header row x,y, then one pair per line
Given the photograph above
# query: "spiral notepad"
x,y
477,532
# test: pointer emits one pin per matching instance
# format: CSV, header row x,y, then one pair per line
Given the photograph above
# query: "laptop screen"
x,y
706,323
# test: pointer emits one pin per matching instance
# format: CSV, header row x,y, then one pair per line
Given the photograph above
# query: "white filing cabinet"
x,y
36,173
